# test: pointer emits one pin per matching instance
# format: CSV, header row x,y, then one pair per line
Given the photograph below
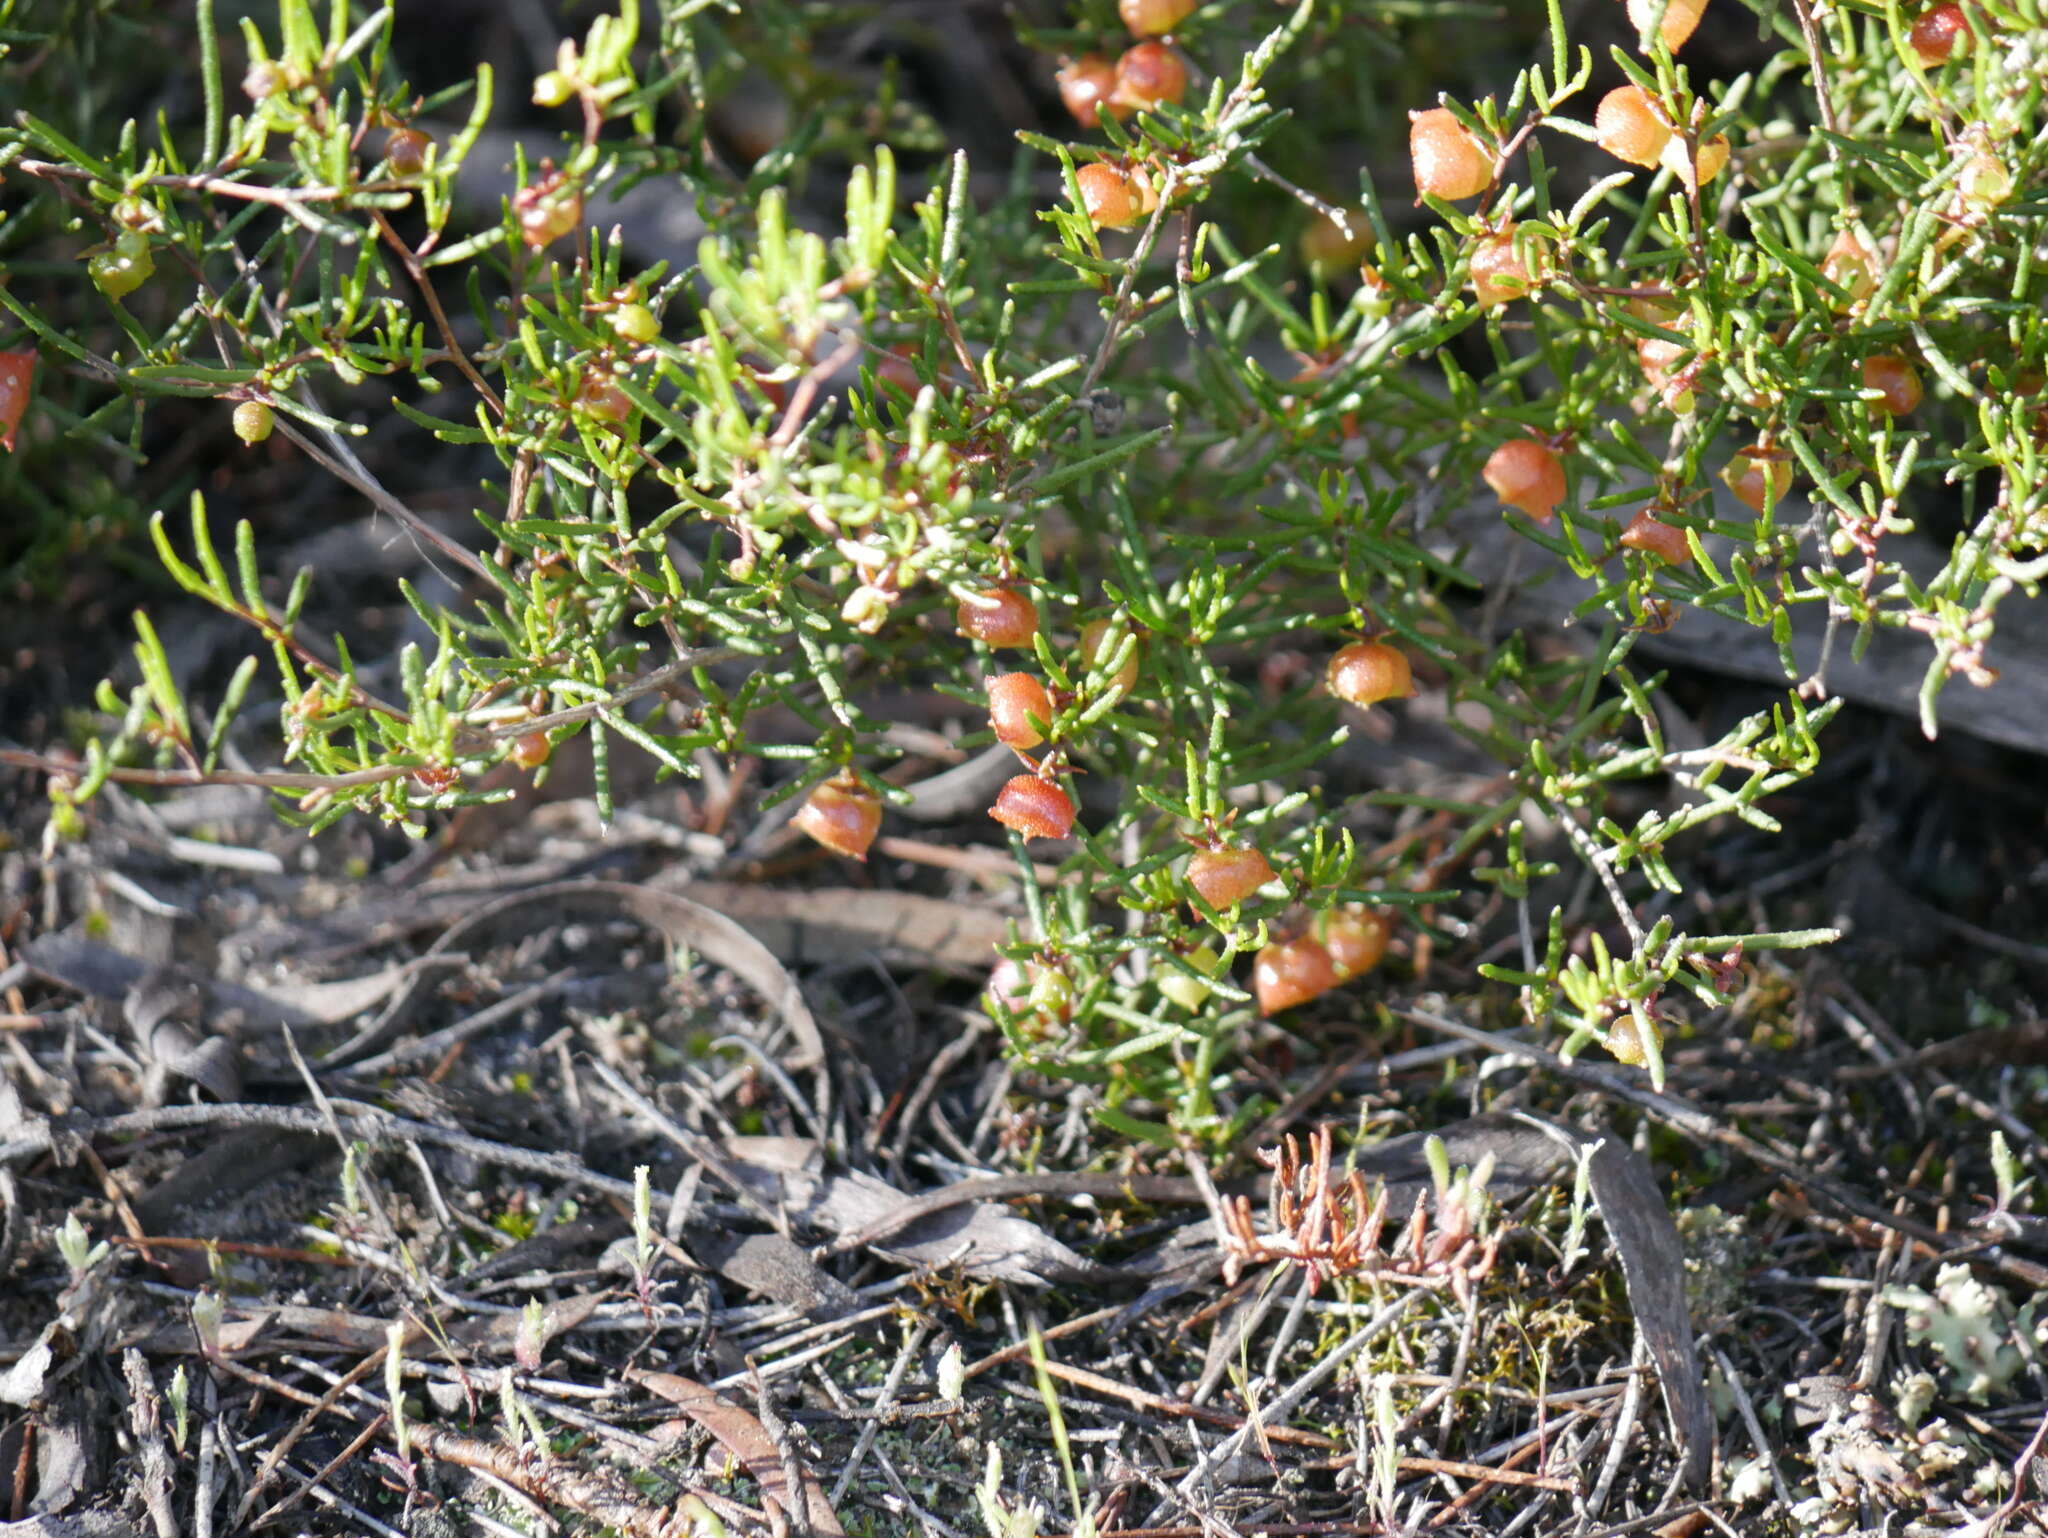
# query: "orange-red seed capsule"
x,y
1897,379
1356,939
549,209
1366,672
1019,710
17,373
1629,126
844,817
1093,635
1448,161
405,151
1291,972
1149,18
1109,195
1758,476
1498,271
1935,33
1653,536
1149,74
1662,367
531,749
1709,160
998,616
1034,807
1681,17
598,396
1524,473
1223,877
1087,86
1851,264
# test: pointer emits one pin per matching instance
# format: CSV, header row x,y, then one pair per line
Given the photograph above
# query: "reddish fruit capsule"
x,y
1985,182
532,749
1366,672
1758,476
1448,161
1498,271
1524,473
1149,74
1110,195
1710,159
1149,18
1935,34
549,209
1019,710
1897,380
1331,246
599,397
1224,877
1680,18
1630,127
1668,376
1093,635
1088,88
843,816
1653,536
898,368
1291,973
1356,939
1034,807
405,151
262,80
998,616
1009,985
17,371
1852,265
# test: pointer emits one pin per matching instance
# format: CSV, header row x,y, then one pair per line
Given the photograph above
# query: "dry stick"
x,y
886,1401
1753,1425
1119,314
1264,1529
1053,1332
2020,1469
942,1063
171,778
1158,1404
1684,1117
425,285
273,1460
998,1188
277,1252
1658,1518
658,680
366,1122
1245,1323
205,1495
1624,1428
1495,1473
305,1485
1299,1390
435,1042
695,1144
343,465
842,1406
2022,1134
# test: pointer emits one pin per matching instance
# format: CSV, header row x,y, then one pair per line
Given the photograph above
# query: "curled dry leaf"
x,y
742,1434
